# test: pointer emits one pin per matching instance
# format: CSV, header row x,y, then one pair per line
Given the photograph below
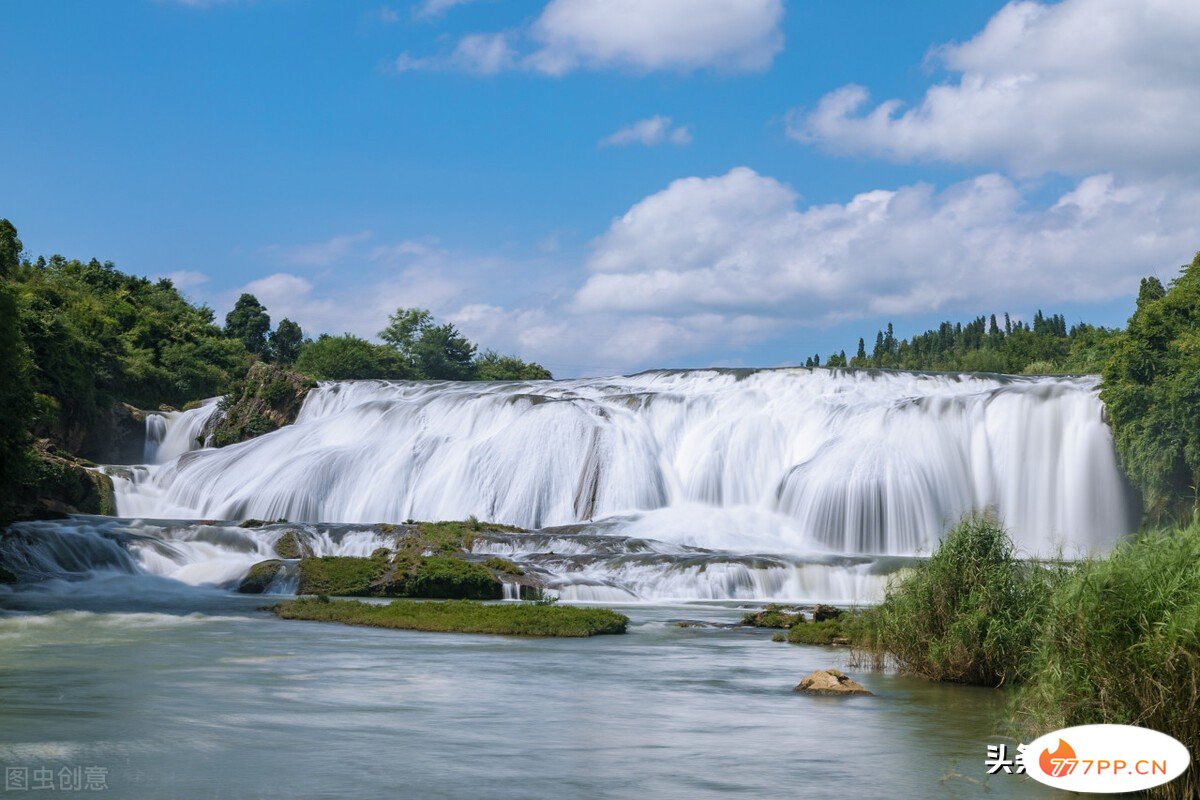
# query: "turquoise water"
x,y
206,697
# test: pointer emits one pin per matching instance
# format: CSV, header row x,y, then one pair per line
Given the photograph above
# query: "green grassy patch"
x,y
968,614
826,632
461,616
345,576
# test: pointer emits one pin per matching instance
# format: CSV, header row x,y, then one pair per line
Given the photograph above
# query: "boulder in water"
x,y
830,682
260,576
823,612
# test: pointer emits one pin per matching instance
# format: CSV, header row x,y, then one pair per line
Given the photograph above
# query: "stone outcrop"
x,y
260,577
830,682
268,398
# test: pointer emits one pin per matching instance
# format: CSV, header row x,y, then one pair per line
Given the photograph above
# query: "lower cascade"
x,y
712,484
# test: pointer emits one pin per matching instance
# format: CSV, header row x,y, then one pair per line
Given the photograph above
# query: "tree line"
x,y
415,347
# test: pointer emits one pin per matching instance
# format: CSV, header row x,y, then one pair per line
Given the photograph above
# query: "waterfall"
x,y
785,461
170,434
796,484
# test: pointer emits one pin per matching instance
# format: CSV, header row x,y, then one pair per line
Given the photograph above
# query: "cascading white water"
x,y
170,434
783,461
707,485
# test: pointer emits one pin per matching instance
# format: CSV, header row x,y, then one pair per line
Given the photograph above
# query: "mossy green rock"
x,y
260,577
342,576
438,577
442,577
268,398
292,545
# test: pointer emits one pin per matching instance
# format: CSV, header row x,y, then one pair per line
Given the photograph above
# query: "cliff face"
x,y
268,398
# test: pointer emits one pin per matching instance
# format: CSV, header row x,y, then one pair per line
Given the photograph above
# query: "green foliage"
x,y
10,249
347,357
1120,643
285,342
462,616
1152,395
97,335
967,614
440,352
1046,347
16,393
249,323
490,366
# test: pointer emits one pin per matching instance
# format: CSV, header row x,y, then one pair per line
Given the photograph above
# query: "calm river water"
x,y
206,697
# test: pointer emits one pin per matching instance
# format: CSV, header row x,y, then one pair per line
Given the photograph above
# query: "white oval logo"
x,y
1105,759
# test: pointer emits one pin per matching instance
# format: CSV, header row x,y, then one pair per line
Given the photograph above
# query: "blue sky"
x,y
609,185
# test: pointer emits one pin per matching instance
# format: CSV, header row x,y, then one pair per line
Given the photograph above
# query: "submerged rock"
x,y
830,681
260,576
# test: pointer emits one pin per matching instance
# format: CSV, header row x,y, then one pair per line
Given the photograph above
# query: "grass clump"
x,y
446,577
461,616
826,632
1120,643
967,614
503,565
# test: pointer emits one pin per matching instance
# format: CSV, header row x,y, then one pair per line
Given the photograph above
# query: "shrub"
x,y
967,614
1121,644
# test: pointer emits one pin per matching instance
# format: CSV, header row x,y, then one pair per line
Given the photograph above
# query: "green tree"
x,y
349,357
491,366
249,323
442,353
15,391
1152,394
285,342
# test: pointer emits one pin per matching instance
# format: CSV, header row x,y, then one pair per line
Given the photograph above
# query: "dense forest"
x,y
985,344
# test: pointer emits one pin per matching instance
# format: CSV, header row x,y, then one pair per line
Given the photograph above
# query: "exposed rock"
x,y
293,545
260,576
830,682
114,436
268,398
823,612
59,484
7,576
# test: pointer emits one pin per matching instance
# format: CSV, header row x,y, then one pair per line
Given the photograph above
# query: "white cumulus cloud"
x,y
742,243
652,131
1074,87
632,35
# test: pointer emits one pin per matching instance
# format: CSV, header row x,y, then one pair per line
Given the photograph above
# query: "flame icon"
x,y
1059,763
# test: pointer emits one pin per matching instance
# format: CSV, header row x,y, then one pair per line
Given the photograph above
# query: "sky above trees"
x,y
609,186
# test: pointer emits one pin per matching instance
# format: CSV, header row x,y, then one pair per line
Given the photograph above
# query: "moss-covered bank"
x,y
461,616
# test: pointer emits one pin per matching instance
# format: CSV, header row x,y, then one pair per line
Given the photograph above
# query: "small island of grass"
x,y
460,616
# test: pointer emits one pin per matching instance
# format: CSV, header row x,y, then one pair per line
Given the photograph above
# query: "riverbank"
x,y
1107,640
